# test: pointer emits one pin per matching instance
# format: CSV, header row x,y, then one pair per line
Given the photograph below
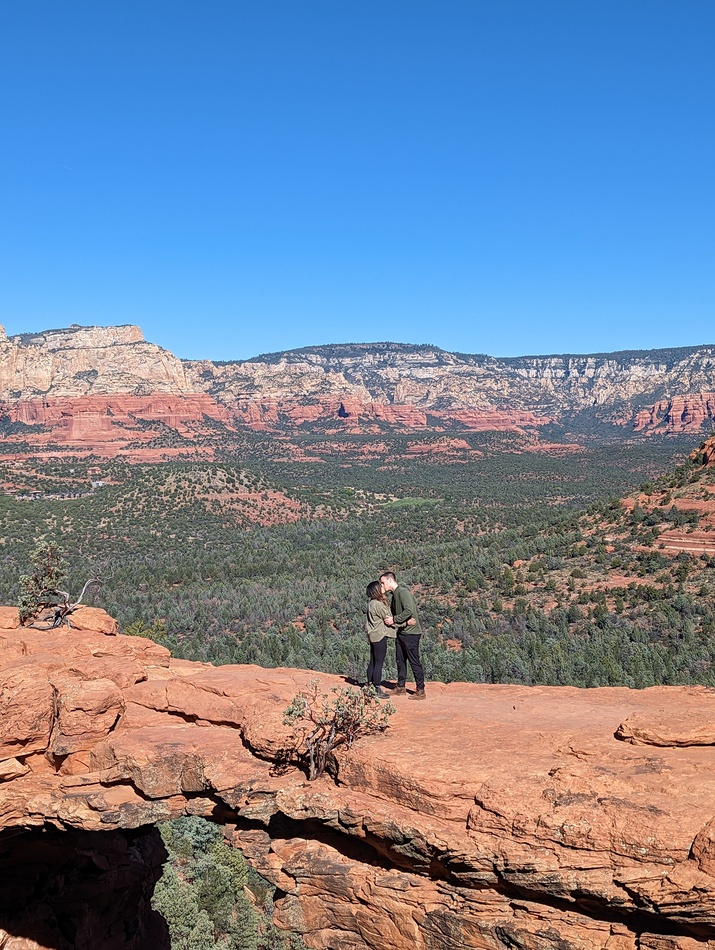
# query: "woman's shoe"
x,y
381,694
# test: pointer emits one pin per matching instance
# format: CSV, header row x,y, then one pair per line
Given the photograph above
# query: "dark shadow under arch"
x,y
82,890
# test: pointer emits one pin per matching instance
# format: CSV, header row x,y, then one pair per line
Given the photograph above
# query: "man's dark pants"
x,y
407,649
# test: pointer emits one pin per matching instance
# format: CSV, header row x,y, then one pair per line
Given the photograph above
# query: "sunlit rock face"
x,y
486,817
99,387
87,361
708,452
679,414
441,383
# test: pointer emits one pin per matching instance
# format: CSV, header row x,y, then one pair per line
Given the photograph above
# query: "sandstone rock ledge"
x,y
489,817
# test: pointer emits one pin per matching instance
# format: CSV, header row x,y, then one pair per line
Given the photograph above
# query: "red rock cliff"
x,y
48,378
681,414
489,817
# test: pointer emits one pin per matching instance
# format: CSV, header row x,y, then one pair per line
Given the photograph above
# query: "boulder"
x,y
93,618
9,618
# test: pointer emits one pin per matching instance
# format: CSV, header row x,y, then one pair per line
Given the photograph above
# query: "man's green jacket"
x,y
404,607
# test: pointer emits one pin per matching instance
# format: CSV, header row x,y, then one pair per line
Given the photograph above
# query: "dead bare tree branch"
x,y
60,612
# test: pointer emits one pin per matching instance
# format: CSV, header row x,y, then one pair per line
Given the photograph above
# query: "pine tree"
x,y
202,936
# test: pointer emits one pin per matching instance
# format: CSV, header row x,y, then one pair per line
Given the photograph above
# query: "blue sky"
x,y
493,176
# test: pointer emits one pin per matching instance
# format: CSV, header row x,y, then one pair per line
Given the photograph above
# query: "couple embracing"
x,y
392,615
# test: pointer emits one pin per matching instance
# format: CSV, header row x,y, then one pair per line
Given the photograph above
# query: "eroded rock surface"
x,y
680,414
108,391
488,817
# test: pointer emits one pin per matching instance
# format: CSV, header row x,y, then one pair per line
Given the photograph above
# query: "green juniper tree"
x,y
324,725
40,590
48,572
210,898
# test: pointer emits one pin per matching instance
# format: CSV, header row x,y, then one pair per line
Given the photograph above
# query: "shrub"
x,y
210,897
48,572
327,724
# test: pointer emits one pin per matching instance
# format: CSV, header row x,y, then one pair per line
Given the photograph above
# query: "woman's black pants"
x,y
377,658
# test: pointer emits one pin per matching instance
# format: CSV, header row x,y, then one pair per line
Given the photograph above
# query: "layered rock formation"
x,y
473,391
681,414
489,817
136,427
103,390
708,452
87,361
430,377
88,386
696,496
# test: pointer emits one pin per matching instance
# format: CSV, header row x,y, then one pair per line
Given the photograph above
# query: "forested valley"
x,y
526,566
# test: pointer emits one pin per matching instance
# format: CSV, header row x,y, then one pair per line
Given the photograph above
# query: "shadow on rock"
x,y
81,890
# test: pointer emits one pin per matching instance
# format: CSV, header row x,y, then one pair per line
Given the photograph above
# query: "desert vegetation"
x,y
527,566
210,897
322,724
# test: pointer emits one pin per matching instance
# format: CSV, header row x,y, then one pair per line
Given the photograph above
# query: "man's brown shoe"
x,y
418,694
399,691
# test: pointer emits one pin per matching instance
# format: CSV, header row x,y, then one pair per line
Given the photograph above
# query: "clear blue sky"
x,y
499,176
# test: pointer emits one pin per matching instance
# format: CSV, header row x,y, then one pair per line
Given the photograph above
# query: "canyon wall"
x,y
83,361
110,376
433,379
679,414
489,817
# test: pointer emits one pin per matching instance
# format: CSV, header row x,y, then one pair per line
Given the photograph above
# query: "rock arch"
x,y
492,817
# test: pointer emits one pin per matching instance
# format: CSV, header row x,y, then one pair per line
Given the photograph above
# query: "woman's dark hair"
x,y
374,591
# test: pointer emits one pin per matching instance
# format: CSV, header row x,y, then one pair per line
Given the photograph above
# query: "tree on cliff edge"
x,y
321,725
40,591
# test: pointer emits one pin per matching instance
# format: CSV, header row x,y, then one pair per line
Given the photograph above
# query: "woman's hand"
x,y
390,620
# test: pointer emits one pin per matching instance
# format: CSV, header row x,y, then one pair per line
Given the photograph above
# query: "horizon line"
x,y
377,344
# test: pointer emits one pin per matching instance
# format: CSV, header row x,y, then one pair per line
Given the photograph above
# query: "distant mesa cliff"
x,y
84,361
490,817
112,377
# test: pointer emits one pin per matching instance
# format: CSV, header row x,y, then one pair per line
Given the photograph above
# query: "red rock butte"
x,y
490,817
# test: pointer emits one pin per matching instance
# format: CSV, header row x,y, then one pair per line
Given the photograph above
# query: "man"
x,y
407,624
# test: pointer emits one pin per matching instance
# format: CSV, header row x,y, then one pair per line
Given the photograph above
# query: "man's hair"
x,y
390,575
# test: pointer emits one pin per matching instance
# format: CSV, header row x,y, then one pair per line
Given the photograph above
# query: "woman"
x,y
377,633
